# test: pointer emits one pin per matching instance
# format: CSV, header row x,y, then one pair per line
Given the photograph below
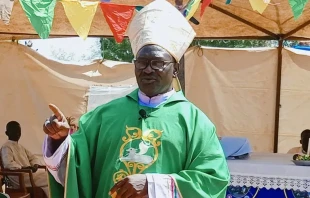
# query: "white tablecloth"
x,y
269,170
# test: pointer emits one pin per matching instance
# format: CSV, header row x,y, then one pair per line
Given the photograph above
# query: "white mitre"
x,y
162,24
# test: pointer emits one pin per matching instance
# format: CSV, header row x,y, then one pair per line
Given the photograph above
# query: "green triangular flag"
x,y
40,14
138,8
298,7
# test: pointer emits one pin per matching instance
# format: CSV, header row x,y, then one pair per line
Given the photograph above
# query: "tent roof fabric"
x,y
277,18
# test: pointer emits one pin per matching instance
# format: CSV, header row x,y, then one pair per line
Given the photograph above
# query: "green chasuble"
x,y
114,142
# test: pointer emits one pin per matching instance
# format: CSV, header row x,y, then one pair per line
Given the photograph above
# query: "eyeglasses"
x,y
155,64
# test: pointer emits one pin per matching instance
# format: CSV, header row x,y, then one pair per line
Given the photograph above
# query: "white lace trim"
x,y
271,182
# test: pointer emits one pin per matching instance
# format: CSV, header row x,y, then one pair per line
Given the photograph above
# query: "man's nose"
x,y
148,69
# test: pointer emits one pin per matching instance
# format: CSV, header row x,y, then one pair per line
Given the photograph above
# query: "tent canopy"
x,y
236,20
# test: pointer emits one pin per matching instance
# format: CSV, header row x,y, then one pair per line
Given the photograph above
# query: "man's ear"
x,y
176,70
179,65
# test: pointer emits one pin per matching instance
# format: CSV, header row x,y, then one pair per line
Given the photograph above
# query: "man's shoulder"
x,y
190,107
295,150
7,144
10,144
193,113
180,100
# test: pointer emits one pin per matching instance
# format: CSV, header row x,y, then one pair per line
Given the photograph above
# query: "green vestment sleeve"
x,y
206,174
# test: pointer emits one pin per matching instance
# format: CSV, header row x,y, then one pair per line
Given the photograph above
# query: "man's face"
x,y
153,81
15,133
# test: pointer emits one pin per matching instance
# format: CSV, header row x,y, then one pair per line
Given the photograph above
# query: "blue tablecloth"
x,y
251,192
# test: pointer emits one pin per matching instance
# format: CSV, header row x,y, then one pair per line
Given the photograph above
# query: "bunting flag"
x,y
298,7
138,8
259,5
118,18
6,8
80,15
191,8
40,14
205,4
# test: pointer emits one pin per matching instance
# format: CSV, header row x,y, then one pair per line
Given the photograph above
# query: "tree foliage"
x,y
111,50
122,52
234,43
90,52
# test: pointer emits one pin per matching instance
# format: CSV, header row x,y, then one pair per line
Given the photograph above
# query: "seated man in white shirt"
x,y
304,139
15,156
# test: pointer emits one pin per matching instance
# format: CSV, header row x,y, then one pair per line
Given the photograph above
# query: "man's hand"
x,y
35,168
133,186
56,126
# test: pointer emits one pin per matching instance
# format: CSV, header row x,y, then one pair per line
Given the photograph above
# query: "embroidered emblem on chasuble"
x,y
138,152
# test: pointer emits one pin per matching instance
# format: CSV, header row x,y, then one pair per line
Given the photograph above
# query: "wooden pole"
x,y
278,97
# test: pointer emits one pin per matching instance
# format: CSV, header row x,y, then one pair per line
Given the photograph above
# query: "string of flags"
x,y
80,13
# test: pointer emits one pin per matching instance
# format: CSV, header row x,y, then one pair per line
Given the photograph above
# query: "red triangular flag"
x,y
118,18
205,3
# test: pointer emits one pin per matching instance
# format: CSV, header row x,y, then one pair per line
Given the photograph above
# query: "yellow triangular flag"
x,y
80,14
192,8
259,5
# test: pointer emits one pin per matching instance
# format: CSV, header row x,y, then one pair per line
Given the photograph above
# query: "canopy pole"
x,y
278,97
239,38
296,38
290,33
225,12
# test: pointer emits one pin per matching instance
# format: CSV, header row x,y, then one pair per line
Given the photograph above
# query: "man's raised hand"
x,y
56,126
